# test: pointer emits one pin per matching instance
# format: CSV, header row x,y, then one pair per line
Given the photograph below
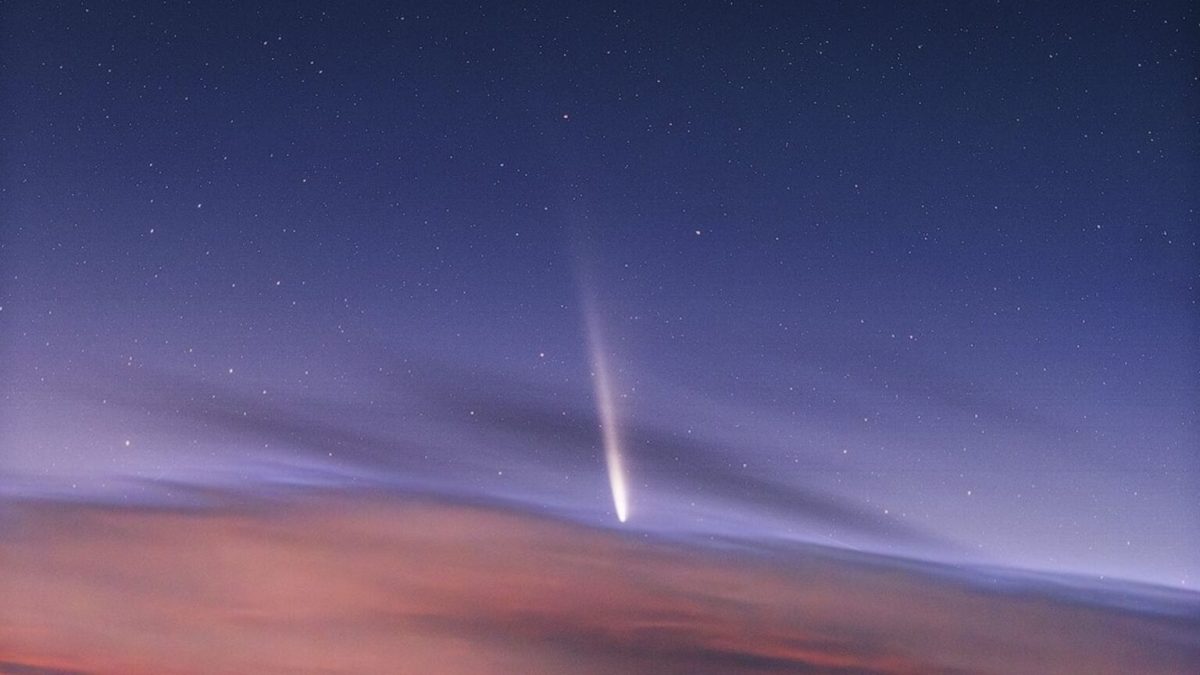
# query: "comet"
x,y
607,410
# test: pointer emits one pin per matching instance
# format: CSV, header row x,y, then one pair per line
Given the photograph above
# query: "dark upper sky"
x,y
916,278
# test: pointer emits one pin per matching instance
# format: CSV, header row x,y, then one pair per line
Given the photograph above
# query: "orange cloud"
x,y
378,586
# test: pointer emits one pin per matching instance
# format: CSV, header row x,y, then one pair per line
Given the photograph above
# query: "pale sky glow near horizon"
x,y
913,280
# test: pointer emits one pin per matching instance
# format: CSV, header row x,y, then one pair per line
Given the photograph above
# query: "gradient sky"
x,y
916,279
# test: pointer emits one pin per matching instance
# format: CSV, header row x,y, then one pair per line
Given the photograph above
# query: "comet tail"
x,y
608,417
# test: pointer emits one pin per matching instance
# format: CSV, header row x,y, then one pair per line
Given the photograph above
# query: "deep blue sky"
x,y
916,278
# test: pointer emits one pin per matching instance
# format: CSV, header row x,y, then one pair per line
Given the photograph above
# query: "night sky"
x,y
917,279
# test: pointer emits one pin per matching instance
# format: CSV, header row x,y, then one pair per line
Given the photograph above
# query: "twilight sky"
x,y
918,280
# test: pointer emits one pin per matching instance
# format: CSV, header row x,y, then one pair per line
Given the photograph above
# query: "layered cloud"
x,y
359,585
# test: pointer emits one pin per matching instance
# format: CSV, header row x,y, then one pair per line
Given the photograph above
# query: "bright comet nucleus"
x,y
606,407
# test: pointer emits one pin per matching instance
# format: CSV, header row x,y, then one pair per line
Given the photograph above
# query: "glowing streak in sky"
x,y
608,415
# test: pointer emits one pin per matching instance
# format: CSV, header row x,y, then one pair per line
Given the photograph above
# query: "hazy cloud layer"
x,y
542,428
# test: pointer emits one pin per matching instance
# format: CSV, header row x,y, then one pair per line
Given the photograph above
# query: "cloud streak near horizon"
x,y
535,426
